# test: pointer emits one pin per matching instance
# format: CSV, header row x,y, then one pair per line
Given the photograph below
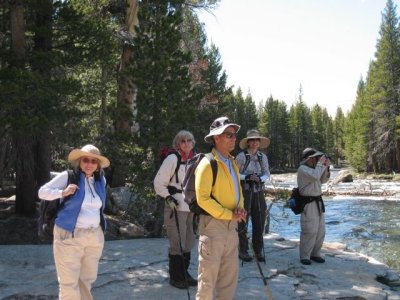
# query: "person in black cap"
x,y
311,174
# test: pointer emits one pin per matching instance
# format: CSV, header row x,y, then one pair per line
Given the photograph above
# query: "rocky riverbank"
x,y
137,269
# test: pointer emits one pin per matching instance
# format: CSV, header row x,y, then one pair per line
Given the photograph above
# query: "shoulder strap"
x,y
214,166
246,164
178,164
72,178
260,157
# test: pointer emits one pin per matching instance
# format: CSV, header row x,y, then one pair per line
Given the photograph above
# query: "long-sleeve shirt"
x,y
165,177
223,191
89,214
310,180
253,167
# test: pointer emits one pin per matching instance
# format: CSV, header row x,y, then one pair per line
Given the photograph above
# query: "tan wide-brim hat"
x,y
218,127
254,134
88,151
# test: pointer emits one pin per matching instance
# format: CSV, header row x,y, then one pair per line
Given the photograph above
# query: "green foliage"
x,y
274,124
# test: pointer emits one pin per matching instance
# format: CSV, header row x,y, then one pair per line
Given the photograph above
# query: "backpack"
x,y
48,211
169,151
296,202
246,164
188,185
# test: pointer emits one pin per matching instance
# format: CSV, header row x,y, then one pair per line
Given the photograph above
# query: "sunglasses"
x,y
230,135
87,160
249,140
186,141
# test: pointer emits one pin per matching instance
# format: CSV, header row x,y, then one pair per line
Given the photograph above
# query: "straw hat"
x,y
251,135
218,126
88,151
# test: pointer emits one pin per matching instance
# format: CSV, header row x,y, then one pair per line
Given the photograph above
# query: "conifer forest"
x,y
126,76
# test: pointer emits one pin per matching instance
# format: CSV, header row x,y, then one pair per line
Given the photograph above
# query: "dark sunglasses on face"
x,y
186,141
230,135
87,160
249,140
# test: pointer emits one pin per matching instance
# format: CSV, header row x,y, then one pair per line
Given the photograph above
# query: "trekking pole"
x,y
181,249
261,224
267,289
247,221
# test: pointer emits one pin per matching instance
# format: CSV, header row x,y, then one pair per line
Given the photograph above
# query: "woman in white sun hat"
x,y
80,224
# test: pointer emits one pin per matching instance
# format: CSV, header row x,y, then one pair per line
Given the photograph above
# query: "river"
x,y
368,224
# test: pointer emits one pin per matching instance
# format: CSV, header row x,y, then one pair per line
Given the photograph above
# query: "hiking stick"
x,y
267,289
181,249
261,224
247,222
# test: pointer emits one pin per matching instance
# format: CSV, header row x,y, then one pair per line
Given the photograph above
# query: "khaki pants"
x,y
77,259
218,259
185,220
312,233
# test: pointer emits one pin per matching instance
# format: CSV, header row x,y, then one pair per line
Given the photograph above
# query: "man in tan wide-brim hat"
x,y
254,171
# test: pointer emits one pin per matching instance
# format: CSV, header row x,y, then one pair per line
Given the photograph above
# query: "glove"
x,y
250,179
171,202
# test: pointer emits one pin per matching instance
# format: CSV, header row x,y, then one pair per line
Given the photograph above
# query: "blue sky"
x,y
271,47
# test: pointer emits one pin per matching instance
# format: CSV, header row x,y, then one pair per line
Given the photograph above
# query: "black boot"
x,y
191,281
176,275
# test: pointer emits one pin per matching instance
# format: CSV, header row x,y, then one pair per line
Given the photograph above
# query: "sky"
x,y
272,47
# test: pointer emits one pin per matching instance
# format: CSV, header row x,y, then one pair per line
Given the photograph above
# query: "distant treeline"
x,y
128,75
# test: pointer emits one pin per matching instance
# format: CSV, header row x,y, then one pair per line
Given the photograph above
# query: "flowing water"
x,y
369,225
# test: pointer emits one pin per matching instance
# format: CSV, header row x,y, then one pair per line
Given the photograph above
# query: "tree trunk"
x,y
126,88
18,30
25,171
126,97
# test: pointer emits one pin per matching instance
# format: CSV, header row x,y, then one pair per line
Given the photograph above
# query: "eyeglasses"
x,y
230,135
87,160
186,141
250,140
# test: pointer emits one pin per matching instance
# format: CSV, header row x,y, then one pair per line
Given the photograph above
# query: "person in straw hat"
x,y
218,270
311,174
254,171
80,223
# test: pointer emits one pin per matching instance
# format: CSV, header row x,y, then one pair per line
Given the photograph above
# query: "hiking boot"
x,y
305,261
178,284
260,257
318,259
245,256
191,281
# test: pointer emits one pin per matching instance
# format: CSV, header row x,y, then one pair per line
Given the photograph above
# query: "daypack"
x,y
48,212
296,202
188,185
171,151
246,164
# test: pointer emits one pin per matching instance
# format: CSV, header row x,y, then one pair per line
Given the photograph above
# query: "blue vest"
x,y
68,215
